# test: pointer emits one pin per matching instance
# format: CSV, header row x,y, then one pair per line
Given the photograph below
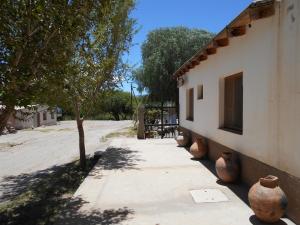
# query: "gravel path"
x,y
32,150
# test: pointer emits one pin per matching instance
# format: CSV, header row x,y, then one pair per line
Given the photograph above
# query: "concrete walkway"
x,y
149,182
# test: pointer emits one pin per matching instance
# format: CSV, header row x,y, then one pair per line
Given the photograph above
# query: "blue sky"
x,y
210,15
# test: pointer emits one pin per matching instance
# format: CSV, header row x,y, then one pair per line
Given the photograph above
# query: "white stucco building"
x,y
32,116
242,93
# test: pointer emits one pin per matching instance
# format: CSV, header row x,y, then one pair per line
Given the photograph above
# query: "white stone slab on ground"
x,y
206,195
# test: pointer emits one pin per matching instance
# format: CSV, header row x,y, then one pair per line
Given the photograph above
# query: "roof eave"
x,y
237,27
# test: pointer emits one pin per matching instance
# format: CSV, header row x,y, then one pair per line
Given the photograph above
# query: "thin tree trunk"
x,y
4,116
81,138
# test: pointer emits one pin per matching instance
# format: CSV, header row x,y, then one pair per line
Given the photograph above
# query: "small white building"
x,y
32,116
242,93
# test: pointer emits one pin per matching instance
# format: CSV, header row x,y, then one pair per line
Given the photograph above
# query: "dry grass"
x,y
47,130
127,132
9,144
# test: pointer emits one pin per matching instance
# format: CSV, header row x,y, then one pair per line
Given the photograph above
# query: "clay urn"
x,y
198,148
227,167
182,140
267,200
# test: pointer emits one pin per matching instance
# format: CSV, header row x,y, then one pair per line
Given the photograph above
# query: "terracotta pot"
x,y
182,140
198,149
227,167
267,200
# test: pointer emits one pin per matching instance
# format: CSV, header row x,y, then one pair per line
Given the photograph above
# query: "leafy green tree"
x,y
97,63
118,103
164,51
36,41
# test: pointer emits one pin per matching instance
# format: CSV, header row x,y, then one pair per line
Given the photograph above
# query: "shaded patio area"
x,y
153,181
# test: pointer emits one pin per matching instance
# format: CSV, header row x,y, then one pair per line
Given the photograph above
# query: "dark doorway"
x,y
233,102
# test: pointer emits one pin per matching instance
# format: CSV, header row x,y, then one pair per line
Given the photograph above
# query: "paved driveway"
x,y
153,182
31,150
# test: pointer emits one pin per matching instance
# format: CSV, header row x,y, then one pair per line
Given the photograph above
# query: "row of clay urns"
x,y
182,140
198,149
266,198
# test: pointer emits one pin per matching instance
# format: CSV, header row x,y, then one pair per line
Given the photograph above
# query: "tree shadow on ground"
x,y
118,159
72,215
36,198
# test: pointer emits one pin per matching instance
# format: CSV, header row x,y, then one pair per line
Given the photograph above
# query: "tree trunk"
x,y
4,116
81,138
81,143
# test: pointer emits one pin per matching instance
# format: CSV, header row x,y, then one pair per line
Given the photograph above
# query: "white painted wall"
x,y
23,121
289,88
268,55
49,120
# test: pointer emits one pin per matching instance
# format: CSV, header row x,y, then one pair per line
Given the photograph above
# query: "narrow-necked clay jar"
x,y
198,148
267,200
227,167
182,140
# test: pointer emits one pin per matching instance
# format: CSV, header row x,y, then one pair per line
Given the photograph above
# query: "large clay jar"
x,y
227,167
267,200
182,140
198,148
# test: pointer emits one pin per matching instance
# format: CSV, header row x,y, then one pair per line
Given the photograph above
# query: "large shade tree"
x,y
163,52
36,41
119,104
97,63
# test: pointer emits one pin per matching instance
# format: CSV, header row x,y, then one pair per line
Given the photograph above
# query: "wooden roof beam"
x,y
185,69
195,62
262,12
238,31
222,42
211,50
202,57
190,65
243,19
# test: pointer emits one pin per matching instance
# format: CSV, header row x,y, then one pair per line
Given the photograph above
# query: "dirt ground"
x,y
30,151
